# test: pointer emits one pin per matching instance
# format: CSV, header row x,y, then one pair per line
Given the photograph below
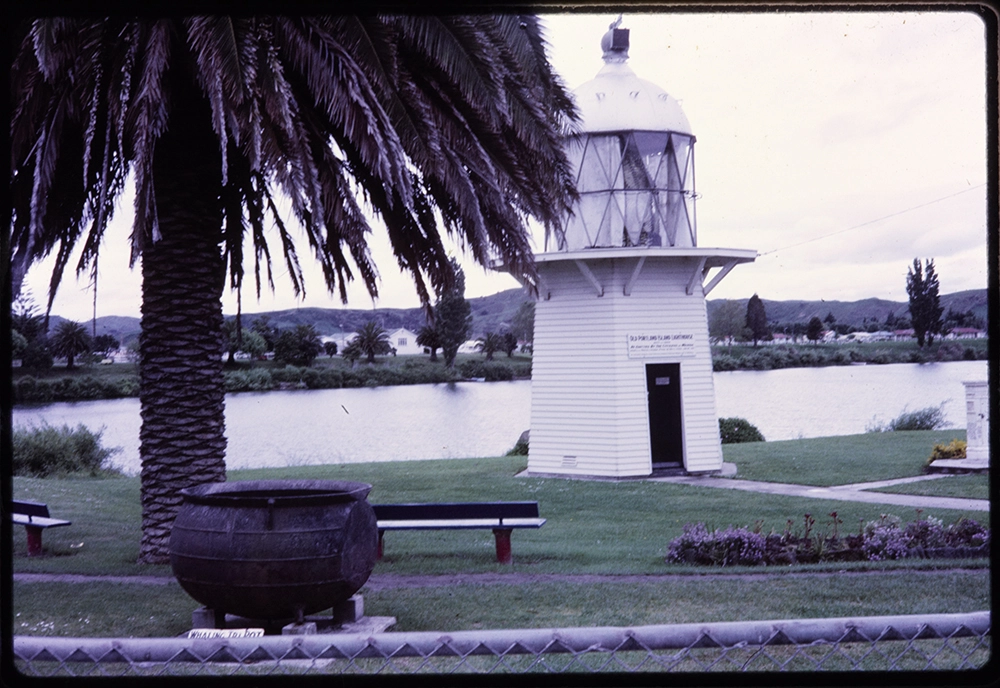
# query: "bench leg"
x,y
380,534
34,541
502,536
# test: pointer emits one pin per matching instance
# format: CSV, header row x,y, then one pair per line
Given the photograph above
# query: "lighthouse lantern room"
x,y
622,369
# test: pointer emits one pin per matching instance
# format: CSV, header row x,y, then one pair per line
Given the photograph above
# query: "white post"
x,y
977,424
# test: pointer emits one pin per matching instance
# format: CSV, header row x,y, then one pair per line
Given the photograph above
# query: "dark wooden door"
x,y
663,393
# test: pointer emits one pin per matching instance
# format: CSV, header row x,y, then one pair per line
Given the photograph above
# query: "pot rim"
x,y
276,492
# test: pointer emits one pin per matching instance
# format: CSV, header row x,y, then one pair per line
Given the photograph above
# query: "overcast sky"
x,y
840,146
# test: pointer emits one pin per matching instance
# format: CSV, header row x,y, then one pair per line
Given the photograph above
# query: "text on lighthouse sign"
x,y
657,345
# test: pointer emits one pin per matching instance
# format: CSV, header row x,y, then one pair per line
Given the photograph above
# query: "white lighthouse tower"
x,y
621,381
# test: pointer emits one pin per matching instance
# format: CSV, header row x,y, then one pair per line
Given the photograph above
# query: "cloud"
x,y
808,124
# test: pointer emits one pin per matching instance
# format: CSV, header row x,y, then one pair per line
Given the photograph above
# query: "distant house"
x,y
903,335
404,342
340,339
965,333
870,336
470,346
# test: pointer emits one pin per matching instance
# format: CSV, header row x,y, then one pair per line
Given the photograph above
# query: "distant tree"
x,y
37,355
489,344
298,346
509,343
522,325
69,340
830,319
330,349
18,344
798,330
756,319
428,337
727,322
106,343
925,303
262,326
26,319
352,352
253,344
953,319
453,317
231,339
814,330
373,340
248,341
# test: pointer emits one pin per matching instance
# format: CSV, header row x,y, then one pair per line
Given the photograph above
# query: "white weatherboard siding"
x,y
589,414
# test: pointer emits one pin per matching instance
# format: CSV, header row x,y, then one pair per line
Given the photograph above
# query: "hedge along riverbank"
x,y
773,357
29,390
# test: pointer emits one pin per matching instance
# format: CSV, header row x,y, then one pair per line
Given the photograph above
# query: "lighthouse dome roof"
x,y
618,100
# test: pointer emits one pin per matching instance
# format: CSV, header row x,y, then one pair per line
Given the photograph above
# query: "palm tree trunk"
x,y
182,391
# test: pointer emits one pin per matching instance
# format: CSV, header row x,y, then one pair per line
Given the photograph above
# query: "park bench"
x,y
35,518
500,517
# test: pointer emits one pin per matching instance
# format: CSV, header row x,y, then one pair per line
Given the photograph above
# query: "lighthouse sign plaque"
x,y
660,345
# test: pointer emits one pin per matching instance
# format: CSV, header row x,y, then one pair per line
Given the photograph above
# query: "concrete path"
x,y
855,492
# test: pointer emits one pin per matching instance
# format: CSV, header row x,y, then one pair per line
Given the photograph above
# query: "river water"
x,y
473,419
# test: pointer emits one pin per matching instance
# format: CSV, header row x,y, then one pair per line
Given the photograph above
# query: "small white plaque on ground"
x,y
677,344
226,633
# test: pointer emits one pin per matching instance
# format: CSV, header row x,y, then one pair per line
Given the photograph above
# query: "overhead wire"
x,y
871,222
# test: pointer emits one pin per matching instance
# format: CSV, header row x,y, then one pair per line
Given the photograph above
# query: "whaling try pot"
x,y
274,549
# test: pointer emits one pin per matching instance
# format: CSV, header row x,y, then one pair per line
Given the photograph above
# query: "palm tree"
x,y
70,339
372,340
216,119
428,336
489,344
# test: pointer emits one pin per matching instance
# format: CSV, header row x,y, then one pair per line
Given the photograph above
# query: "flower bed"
x,y
885,538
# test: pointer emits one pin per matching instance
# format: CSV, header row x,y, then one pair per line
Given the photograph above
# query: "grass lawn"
x,y
64,609
826,461
593,527
966,486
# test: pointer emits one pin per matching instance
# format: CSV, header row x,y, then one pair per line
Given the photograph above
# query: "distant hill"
x,y
856,312
493,313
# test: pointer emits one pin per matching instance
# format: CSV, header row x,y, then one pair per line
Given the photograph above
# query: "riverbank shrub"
x,y
929,418
42,452
737,430
490,371
876,540
249,380
779,356
31,390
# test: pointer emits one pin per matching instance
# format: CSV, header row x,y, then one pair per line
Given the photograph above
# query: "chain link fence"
x,y
942,642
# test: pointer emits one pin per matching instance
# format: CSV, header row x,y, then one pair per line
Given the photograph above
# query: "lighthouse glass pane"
x,y
682,155
670,204
635,190
600,165
612,222
652,147
592,222
634,172
638,218
574,147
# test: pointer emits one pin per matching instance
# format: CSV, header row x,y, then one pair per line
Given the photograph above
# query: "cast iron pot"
x,y
274,549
